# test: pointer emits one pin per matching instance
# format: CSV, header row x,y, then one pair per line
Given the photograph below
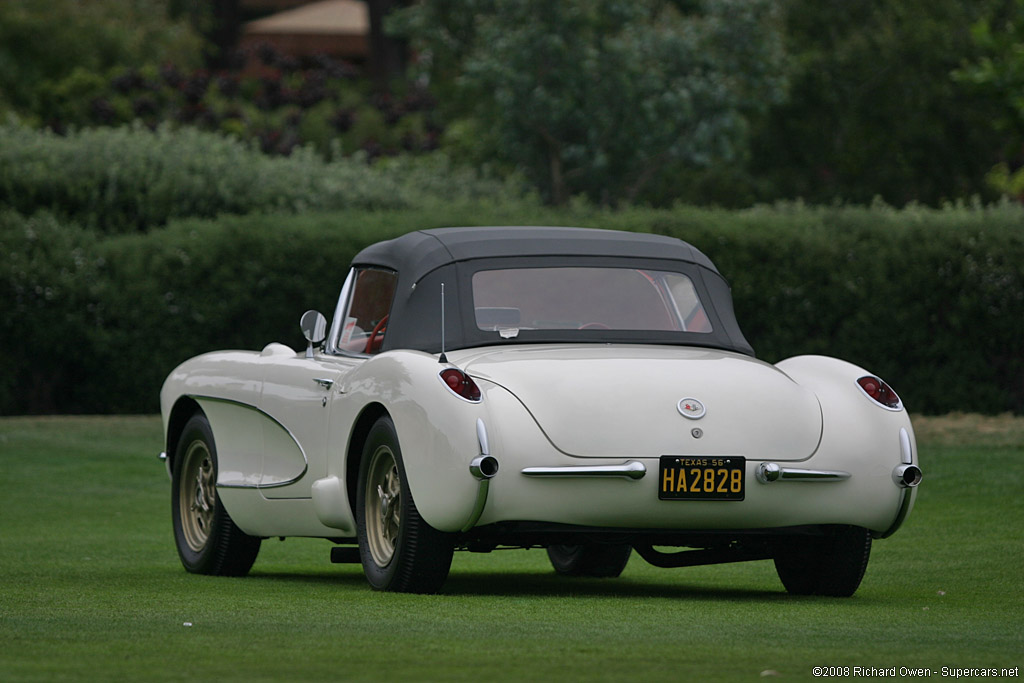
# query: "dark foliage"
x,y
932,301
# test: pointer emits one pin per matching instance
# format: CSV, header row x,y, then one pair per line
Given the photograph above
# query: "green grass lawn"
x,y
91,587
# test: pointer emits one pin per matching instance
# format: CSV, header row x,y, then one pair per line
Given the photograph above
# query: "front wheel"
x,y
591,559
831,565
399,550
207,539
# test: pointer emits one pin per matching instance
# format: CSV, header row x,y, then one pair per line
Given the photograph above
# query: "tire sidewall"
x,y
565,559
832,565
422,555
382,433
196,429
592,560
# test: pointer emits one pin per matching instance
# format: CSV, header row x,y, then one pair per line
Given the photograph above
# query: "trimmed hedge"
x,y
131,178
931,300
50,319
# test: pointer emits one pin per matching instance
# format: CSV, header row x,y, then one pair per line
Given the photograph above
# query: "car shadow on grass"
x,y
325,578
553,585
534,584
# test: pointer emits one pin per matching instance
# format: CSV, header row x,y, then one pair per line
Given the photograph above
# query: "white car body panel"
x,y
579,396
438,436
581,420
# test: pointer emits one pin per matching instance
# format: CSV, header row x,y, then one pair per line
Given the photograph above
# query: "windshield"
x,y
364,321
568,298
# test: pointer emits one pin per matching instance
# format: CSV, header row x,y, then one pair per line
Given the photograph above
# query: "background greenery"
x,y
726,102
931,300
158,200
93,587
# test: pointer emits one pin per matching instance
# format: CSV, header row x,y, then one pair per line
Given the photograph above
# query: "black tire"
x,y
591,559
399,551
207,539
831,565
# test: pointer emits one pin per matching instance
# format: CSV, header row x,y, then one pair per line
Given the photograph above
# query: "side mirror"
x,y
314,329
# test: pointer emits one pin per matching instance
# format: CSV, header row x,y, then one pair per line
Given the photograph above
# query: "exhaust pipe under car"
x,y
907,476
484,467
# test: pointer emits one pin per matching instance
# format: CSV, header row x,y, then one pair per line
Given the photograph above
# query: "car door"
x,y
299,391
298,394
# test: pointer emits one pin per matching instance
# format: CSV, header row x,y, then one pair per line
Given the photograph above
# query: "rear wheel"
x,y
399,550
207,539
831,565
590,559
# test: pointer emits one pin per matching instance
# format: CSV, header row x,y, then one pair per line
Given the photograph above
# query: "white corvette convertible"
x,y
584,391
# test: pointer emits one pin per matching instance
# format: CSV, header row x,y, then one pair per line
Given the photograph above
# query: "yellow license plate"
x,y
701,478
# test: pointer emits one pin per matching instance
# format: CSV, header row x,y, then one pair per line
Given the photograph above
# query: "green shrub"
x,y
931,300
130,178
43,41
50,312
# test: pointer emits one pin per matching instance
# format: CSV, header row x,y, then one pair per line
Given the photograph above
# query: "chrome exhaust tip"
x,y
907,476
484,467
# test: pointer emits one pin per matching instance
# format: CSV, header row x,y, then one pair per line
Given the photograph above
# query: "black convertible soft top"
x,y
427,258
418,253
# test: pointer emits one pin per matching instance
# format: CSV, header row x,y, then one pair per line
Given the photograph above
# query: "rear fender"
x,y
437,431
859,436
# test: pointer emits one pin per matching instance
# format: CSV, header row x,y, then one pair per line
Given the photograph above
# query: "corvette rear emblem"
x,y
691,408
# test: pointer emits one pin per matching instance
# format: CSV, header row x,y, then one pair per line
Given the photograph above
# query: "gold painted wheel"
x,y
207,539
383,499
399,551
197,496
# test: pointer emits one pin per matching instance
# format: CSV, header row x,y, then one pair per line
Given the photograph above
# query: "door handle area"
x,y
325,383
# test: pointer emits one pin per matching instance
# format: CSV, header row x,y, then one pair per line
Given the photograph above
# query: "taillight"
x,y
461,384
880,392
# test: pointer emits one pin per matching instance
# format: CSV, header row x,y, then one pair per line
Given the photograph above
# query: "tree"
x,y
44,41
873,110
387,53
999,73
599,96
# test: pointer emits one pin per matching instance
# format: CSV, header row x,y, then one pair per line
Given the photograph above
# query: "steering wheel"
x,y
378,329
593,326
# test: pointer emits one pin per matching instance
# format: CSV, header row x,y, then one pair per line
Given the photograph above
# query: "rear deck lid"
x,y
646,401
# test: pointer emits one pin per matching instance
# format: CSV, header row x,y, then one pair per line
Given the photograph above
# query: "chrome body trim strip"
x,y
481,437
630,470
768,472
305,467
906,451
478,506
483,468
906,499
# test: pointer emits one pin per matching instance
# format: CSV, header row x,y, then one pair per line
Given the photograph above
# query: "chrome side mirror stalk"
x,y
314,329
